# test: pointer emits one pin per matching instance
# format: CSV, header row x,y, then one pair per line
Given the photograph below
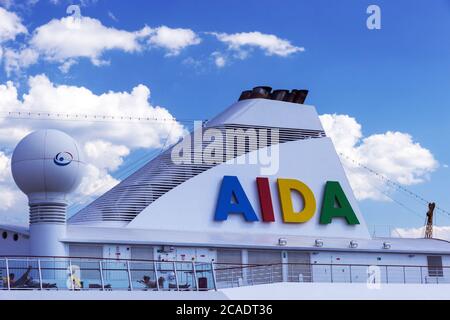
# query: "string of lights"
x,y
88,117
396,185
401,204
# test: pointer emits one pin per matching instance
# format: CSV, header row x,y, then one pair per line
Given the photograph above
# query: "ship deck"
x,y
90,274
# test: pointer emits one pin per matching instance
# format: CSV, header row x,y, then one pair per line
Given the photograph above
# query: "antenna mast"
x,y
429,224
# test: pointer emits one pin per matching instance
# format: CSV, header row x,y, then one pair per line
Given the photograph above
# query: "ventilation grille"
x,y
48,213
126,200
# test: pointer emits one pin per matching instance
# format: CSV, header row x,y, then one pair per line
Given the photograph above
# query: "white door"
x,y
116,252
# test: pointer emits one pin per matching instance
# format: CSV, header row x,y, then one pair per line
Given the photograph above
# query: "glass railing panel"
x,y
360,274
55,273
432,279
271,273
115,275
204,276
185,275
413,275
166,276
299,272
321,273
23,273
395,274
229,275
143,275
86,274
262,274
3,275
340,273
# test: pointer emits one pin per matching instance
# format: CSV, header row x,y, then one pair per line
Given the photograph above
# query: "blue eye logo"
x,y
63,158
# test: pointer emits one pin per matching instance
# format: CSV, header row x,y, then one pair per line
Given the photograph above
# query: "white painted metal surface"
x,y
191,206
263,112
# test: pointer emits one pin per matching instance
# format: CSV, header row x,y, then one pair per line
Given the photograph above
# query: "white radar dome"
x,y
47,165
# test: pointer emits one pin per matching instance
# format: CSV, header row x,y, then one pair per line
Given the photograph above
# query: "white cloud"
x,y
13,205
10,25
7,199
268,43
189,61
94,183
72,38
173,39
10,135
64,41
439,232
8,97
66,65
393,154
220,60
44,95
68,39
105,143
4,166
104,154
15,61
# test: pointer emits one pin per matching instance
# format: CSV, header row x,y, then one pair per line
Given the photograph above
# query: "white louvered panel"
x,y
270,269
126,200
299,268
229,267
230,256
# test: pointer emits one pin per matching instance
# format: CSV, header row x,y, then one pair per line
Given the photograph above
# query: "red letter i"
x,y
265,199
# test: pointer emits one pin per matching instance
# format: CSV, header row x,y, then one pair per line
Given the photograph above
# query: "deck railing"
x,y
78,274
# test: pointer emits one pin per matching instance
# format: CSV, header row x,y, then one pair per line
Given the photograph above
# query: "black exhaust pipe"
x,y
279,94
245,95
300,96
261,92
264,92
290,97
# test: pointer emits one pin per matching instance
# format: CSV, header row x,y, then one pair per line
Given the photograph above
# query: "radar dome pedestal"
x,y
47,165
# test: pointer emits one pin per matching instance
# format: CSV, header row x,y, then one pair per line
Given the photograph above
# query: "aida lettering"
x,y
233,200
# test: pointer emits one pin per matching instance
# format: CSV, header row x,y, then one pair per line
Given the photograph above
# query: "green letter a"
x,y
335,195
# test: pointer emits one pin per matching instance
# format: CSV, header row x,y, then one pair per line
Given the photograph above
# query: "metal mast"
x,y
429,224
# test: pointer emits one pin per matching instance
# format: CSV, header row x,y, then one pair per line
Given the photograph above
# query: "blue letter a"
x,y
231,189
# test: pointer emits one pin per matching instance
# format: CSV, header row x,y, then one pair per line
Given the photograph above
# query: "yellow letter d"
x,y
285,187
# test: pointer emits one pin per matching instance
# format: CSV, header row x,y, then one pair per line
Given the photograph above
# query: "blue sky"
x,y
393,79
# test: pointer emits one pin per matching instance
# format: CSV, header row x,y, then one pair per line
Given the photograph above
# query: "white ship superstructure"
x,y
278,209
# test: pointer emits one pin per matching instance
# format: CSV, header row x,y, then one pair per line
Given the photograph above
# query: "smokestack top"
x,y
265,92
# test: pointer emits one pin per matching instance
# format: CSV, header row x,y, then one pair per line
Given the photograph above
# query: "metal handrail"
x,y
222,274
42,258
